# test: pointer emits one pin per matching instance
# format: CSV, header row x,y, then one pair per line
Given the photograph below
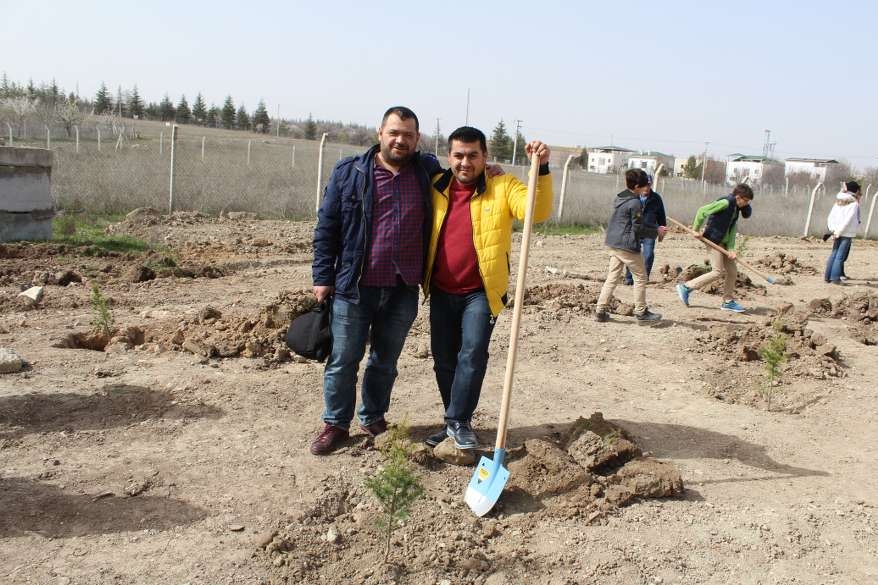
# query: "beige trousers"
x,y
619,259
722,267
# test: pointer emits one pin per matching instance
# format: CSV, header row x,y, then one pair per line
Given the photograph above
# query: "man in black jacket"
x,y
625,231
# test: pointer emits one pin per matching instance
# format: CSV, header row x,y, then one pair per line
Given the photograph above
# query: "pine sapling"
x,y
395,485
773,355
102,318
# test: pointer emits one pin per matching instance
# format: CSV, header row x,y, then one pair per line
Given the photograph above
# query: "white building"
x,y
608,159
815,167
740,167
650,161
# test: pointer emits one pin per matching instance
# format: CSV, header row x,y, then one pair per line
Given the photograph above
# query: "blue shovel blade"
x,y
487,484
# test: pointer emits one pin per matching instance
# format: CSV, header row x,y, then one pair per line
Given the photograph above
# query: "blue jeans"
x,y
647,250
460,331
835,265
383,317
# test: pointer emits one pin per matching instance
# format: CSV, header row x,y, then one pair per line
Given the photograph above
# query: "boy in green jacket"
x,y
722,219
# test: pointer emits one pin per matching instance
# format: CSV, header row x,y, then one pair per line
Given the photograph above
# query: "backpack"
x,y
310,335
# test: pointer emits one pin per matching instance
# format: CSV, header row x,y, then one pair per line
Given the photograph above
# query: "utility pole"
x,y
466,121
437,138
278,121
766,147
515,140
704,161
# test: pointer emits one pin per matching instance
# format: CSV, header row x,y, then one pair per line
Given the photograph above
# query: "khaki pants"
x,y
619,259
722,266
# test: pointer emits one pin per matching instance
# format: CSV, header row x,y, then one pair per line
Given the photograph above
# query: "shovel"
x,y
768,279
490,477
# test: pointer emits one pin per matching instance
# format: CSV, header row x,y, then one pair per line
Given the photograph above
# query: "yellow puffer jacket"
x,y
496,202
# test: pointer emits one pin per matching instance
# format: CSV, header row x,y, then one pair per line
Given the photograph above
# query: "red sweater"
x,y
456,269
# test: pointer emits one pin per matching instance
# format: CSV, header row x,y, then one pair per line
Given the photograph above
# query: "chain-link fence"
x,y
115,167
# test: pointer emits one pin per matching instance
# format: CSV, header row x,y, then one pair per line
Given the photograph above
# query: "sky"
x,y
666,76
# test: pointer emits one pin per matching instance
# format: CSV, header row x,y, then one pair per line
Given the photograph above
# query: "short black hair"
x,y
636,178
404,113
468,134
744,191
852,187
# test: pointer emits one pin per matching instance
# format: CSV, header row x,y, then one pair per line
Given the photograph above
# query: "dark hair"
x,y
852,187
744,191
468,134
636,178
404,114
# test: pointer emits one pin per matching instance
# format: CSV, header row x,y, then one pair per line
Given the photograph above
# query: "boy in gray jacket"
x,y
625,230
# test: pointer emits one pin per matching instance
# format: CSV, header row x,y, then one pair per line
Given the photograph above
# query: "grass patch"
x,y
91,231
549,228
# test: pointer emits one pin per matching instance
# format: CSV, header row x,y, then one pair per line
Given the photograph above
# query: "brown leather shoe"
x,y
374,429
329,440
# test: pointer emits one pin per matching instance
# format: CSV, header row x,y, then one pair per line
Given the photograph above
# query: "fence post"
x,y
320,172
48,137
564,187
202,148
171,184
162,141
786,189
8,125
77,138
293,158
811,207
340,154
98,128
249,144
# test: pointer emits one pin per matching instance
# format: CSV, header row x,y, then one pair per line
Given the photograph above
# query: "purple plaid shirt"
x,y
396,245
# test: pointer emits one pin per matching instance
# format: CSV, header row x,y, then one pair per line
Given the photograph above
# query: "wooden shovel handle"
x,y
721,249
519,301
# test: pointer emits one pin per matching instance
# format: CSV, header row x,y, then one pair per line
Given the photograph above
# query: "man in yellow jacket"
x,y
467,270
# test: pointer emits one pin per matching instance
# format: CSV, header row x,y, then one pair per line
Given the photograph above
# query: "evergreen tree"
x,y
213,117
199,110
119,105
520,151
135,104
228,114
103,104
53,93
31,90
166,109
151,112
261,121
500,144
310,128
243,118
692,168
184,114
4,86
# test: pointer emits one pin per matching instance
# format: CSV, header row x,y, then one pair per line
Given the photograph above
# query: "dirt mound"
x,y
860,310
561,298
210,334
140,221
744,286
588,472
734,378
785,264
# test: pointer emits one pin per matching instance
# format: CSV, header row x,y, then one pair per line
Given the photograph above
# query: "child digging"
x,y
722,219
625,231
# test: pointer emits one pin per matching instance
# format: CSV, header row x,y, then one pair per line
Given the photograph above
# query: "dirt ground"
x,y
179,453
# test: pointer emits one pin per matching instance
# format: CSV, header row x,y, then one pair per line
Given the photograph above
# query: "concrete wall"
x,y
26,208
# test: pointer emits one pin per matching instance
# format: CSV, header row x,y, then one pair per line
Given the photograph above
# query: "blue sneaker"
x,y
732,306
683,293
